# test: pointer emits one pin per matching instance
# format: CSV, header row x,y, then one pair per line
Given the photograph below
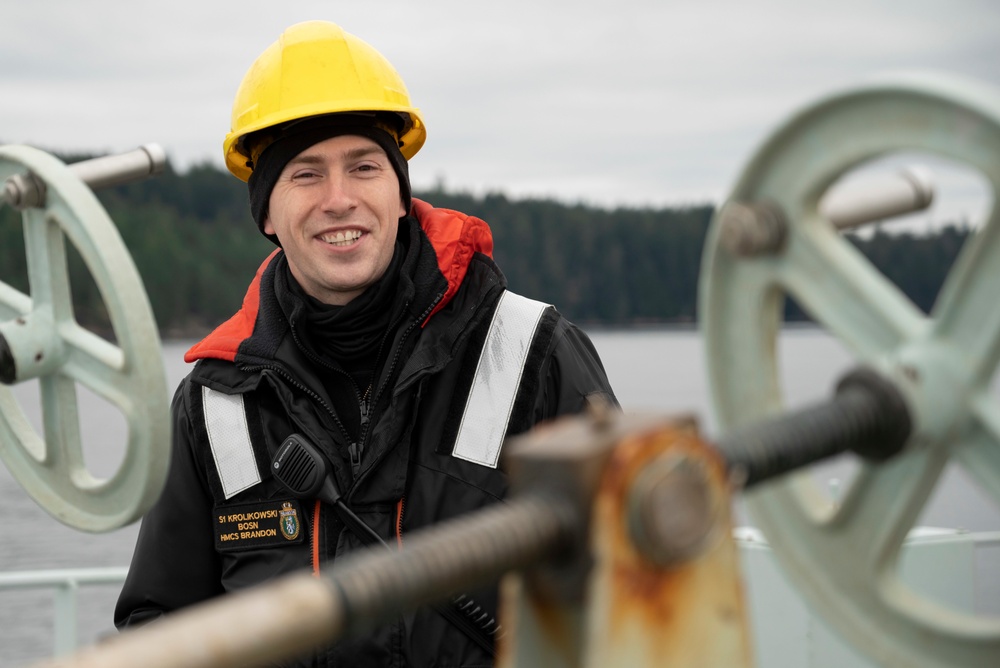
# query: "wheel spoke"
x,y
965,312
885,502
979,451
48,273
61,425
757,308
97,364
13,303
845,293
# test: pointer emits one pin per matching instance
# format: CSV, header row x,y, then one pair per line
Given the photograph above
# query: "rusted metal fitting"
x,y
752,229
673,512
566,459
665,588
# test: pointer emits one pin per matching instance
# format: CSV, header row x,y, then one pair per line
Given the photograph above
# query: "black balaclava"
x,y
273,150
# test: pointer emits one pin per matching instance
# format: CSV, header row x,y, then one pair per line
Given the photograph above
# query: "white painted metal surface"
x,y
49,345
843,557
878,197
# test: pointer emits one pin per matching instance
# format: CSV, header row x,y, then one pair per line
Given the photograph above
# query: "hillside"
x,y
196,248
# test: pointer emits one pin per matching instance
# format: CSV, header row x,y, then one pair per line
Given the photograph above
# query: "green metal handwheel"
x,y
770,239
42,340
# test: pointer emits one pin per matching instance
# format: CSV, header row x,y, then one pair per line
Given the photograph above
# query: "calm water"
x,y
650,370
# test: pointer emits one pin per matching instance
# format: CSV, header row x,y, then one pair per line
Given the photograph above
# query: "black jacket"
x,y
192,545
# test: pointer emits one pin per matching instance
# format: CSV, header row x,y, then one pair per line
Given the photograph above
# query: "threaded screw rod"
x,y
297,613
867,415
460,555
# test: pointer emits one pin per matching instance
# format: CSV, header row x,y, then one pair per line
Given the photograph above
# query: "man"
x,y
380,335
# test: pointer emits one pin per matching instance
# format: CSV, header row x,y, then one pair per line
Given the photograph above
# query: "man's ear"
x,y
268,227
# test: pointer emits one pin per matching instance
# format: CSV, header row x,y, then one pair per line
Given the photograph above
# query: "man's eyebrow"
x,y
352,154
363,152
306,160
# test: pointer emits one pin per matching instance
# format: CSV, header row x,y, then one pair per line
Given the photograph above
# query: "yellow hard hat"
x,y
316,68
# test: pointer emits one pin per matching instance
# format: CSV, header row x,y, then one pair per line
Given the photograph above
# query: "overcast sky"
x,y
636,102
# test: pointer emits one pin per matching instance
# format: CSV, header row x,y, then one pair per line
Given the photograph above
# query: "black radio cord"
x,y
463,612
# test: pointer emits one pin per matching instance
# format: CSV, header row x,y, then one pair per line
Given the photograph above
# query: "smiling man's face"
x,y
335,208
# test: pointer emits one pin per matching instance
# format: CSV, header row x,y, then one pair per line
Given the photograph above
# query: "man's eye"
x,y
304,176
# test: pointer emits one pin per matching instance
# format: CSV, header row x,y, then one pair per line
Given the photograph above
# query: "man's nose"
x,y
338,197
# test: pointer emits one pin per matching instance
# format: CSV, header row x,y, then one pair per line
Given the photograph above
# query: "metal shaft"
x,y
879,197
752,229
298,613
868,415
461,555
23,191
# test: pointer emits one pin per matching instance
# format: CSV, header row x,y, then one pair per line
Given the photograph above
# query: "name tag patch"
x,y
255,525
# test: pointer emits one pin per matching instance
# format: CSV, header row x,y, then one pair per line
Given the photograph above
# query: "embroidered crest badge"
x,y
289,521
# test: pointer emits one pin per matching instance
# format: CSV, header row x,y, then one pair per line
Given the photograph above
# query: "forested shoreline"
x,y
197,249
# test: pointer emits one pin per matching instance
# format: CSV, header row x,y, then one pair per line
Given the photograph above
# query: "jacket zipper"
x,y
299,386
399,522
315,537
319,362
354,448
319,400
365,414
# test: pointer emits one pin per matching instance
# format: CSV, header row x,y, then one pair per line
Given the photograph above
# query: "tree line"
x,y
196,248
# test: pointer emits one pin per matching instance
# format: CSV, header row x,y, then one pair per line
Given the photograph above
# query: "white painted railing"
x,y
65,582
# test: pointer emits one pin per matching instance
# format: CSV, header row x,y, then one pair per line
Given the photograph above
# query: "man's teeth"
x,y
342,238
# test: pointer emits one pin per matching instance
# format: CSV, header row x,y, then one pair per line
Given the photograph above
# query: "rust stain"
x,y
669,608
636,612
553,625
535,624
